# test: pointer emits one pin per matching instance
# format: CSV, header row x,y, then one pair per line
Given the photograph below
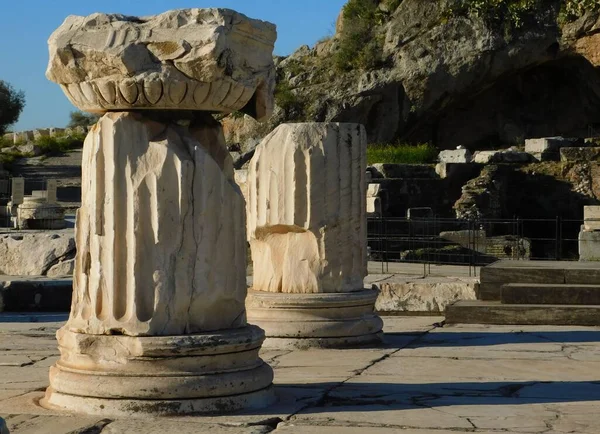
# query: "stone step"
x,y
494,312
540,293
494,276
35,293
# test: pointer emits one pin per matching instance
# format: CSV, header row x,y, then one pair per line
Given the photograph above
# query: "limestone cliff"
x,y
448,72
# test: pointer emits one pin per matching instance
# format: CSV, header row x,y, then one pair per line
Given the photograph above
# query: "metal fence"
x,y
471,243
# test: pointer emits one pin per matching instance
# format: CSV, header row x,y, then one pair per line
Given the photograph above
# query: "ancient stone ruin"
x,y
307,231
158,322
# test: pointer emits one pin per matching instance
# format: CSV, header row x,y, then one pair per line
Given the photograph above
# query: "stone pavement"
x,y
425,379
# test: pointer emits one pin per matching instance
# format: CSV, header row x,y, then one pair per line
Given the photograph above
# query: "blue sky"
x,y
27,24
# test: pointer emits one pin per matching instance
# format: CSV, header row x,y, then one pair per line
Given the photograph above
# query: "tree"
x,y
80,119
11,105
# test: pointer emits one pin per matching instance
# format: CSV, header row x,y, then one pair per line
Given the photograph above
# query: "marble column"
x,y
158,323
307,231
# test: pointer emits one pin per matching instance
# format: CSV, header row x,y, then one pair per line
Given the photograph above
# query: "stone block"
x,y
404,171
18,190
430,295
419,213
374,206
470,239
54,132
589,246
580,154
502,156
455,156
188,59
41,132
51,187
458,172
547,144
591,218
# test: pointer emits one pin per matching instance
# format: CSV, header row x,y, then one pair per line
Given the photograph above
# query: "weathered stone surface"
x,y
589,245
188,59
395,171
306,209
30,149
241,179
62,269
331,320
156,200
582,154
398,294
126,375
494,312
501,156
591,218
539,293
548,148
34,254
41,132
36,213
455,156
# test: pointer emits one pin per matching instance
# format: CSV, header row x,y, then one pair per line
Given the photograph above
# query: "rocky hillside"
x,y
478,73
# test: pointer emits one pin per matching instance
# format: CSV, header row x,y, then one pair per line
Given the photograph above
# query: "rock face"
x,y
456,78
34,254
190,59
306,209
155,203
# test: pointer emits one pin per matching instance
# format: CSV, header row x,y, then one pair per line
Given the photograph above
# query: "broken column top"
x,y
214,60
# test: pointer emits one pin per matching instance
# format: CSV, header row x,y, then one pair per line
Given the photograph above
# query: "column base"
x,y
301,321
208,373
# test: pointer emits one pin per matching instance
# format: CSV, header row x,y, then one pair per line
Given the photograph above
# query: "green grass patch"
x,y
402,154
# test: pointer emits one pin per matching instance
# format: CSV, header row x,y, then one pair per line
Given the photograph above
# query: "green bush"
x,y
359,45
5,143
504,15
59,144
573,9
402,154
289,102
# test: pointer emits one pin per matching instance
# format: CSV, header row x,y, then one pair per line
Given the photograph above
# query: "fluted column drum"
x,y
307,229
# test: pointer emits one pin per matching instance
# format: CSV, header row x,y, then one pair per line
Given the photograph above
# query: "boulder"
x,y
34,254
455,156
30,149
195,59
62,269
